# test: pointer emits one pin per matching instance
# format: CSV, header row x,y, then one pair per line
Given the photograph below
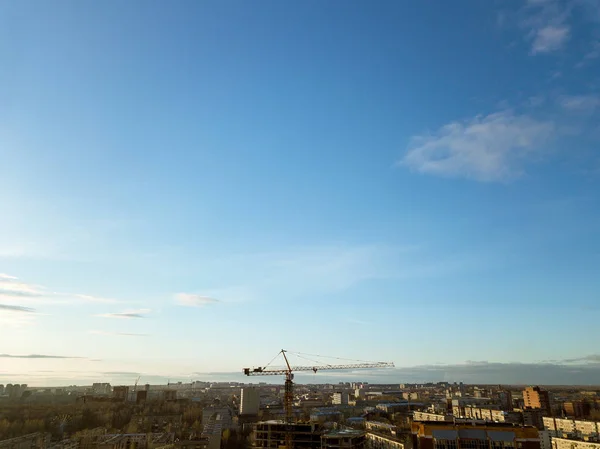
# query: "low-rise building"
x,y
575,428
426,416
343,439
564,443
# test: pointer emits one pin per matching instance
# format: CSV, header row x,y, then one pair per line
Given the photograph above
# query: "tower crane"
x,y
288,370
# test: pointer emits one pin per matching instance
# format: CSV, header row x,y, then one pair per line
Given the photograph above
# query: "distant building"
x,y
103,388
577,409
170,395
534,417
141,396
271,434
505,399
121,393
535,397
492,415
322,415
425,416
1,389
343,439
377,439
438,435
340,398
249,401
572,428
562,443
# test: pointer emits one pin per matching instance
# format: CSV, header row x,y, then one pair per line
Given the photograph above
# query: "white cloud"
x,y
126,314
194,300
486,148
581,103
546,24
550,38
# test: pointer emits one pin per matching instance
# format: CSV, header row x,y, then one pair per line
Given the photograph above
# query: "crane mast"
x,y
288,395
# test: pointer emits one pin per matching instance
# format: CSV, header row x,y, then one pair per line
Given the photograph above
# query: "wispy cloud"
x,y
591,55
546,22
549,38
12,308
592,358
13,287
580,103
121,334
38,356
485,148
194,300
126,314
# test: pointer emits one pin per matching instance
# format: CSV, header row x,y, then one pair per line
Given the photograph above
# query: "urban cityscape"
x,y
409,186
346,415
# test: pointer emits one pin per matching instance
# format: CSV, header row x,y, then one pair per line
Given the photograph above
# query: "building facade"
x,y
438,435
249,401
340,398
563,443
343,439
535,397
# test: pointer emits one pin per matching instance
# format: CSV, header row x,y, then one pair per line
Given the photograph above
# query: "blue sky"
x,y
189,188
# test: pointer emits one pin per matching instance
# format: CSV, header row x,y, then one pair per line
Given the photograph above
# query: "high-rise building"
x,y
339,398
249,401
121,393
577,409
505,399
535,397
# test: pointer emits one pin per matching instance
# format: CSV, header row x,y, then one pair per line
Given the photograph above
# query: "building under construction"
x,y
272,435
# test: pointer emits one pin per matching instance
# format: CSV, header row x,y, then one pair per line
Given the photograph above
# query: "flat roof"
x,y
343,433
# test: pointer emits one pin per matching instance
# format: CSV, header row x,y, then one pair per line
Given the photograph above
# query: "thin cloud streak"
x,y
123,334
194,300
12,308
126,314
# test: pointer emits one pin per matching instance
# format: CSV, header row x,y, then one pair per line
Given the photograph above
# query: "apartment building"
x,y
343,439
535,397
249,401
560,427
340,398
441,435
426,416
563,443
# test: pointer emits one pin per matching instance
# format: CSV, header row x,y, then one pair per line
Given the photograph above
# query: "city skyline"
x,y
192,188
